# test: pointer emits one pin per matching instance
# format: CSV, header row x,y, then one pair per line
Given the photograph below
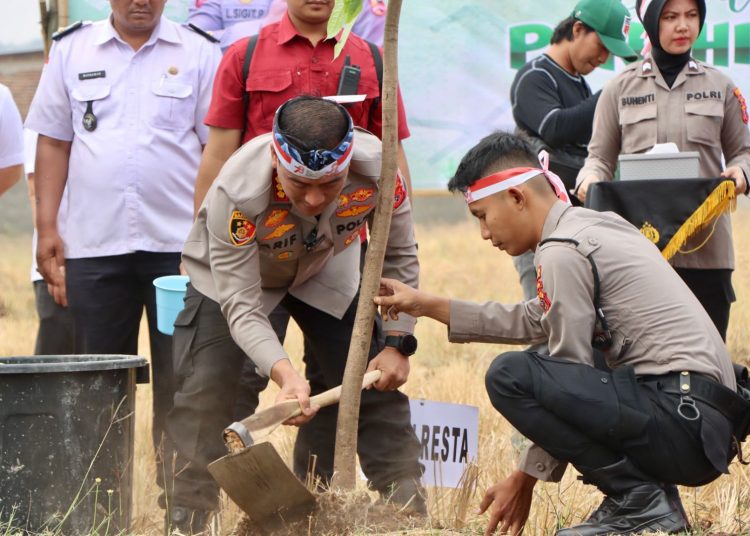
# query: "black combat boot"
x,y
633,504
407,494
184,521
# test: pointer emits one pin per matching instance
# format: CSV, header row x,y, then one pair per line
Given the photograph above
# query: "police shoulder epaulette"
x,y
204,33
59,34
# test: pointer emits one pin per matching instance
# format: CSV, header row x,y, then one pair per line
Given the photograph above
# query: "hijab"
x,y
670,65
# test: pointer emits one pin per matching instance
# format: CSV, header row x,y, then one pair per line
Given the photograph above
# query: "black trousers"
x,y
56,332
107,296
207,367
714,290
593,418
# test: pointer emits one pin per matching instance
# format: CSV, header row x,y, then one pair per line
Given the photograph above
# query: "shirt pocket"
x,y
268,90
98,95
703,122
638,126
174,105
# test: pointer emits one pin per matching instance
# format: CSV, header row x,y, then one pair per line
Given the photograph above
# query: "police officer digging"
x,y
669,410
280,225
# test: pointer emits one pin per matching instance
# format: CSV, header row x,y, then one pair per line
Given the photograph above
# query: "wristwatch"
x,y
406,344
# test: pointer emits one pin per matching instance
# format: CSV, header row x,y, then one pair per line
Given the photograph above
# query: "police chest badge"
x,y
241,230
544,300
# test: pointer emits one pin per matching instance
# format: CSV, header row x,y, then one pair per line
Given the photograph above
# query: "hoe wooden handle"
x,y
332,396
239,435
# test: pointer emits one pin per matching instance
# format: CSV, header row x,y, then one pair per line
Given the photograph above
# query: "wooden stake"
x,y
344,477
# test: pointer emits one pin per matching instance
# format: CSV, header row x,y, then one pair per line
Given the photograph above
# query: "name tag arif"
x,y
91,75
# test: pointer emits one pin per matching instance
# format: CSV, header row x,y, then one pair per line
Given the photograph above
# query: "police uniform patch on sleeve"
x,y
241,230
544,300
400,195
743,104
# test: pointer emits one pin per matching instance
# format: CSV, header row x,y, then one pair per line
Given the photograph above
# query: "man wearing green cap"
x,y
553,105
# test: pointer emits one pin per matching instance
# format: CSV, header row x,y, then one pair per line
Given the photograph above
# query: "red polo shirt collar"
x,y
287,30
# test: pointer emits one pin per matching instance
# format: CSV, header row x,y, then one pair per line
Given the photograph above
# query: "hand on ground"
x,y
510,500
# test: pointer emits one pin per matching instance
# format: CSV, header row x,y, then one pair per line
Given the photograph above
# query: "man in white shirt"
x,y
119,111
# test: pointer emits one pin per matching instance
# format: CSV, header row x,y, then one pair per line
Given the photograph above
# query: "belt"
x,y
693,386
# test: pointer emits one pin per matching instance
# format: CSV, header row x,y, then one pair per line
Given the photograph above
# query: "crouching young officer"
x,y
280,225
667,411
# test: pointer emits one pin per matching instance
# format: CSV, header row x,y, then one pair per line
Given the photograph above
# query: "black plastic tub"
x,y
66,441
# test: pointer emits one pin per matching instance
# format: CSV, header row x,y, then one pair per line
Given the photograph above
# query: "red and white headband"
x,y
503,180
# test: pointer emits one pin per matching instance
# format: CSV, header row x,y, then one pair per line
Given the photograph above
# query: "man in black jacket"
x,y
553,105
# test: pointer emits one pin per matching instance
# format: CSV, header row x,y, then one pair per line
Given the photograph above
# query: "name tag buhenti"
x,y
91,75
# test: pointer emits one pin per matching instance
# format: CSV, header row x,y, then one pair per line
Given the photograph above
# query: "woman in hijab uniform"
x,y
671,97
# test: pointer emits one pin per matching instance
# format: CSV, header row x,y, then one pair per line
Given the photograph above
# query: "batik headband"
x,y
315,163
498,182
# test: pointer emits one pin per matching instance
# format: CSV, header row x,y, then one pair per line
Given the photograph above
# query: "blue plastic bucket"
x,y
170,291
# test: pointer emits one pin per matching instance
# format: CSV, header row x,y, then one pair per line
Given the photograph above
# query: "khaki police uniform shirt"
x,y
700,113
657,324
246,249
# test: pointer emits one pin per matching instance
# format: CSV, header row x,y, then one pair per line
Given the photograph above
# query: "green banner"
x,y
457,61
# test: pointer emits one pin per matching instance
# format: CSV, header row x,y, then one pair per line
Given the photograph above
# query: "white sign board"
x,y
449,435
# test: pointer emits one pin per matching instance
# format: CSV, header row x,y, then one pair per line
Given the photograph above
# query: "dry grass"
x,y
457,264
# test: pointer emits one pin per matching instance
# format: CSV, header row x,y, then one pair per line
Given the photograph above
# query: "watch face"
x,y
408,344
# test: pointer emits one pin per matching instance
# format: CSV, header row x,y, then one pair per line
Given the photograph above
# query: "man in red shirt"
x,y
292,57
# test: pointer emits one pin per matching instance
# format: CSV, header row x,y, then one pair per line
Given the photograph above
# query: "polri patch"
x,y
400,195
91,75
241,230
743,104
544,300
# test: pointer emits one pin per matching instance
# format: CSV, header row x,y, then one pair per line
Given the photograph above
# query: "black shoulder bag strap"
x,y
378,61
602,341
245,73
